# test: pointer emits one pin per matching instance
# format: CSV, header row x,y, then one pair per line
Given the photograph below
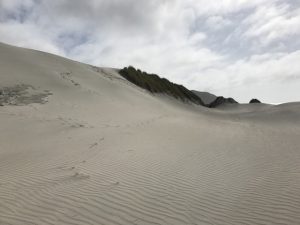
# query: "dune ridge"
x,y
103,151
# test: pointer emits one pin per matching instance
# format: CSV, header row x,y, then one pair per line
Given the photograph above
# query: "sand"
x,y
96,149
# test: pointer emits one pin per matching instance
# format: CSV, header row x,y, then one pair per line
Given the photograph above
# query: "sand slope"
x,y
98,150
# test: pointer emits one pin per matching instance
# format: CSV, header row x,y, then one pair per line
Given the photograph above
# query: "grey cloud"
x,y
131,15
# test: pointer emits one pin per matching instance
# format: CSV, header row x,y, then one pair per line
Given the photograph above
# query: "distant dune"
x,y
206,97
82,145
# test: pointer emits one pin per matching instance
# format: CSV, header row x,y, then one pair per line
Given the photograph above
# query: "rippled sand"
x,y
98,150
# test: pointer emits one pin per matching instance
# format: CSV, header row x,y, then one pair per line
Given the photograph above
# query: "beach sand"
x,y
81,145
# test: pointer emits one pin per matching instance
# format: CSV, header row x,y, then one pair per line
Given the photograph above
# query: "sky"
x,y
239,48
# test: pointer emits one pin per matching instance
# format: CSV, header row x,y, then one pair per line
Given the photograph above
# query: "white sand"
x,y
102,151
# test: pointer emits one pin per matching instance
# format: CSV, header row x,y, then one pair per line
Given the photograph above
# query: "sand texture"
x,y
81,145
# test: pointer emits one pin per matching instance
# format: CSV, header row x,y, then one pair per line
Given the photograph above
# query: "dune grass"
x,y
155,84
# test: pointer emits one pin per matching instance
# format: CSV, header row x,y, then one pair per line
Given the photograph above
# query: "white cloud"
x,y
224,46
27,35
252,77
275,23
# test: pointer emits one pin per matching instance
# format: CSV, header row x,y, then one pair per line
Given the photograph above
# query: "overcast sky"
x,y
238,48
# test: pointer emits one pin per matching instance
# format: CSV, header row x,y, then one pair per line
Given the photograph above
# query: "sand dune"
x,y
96,149
206,97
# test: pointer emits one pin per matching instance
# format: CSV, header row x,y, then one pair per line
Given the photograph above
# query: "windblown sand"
x,y
87,147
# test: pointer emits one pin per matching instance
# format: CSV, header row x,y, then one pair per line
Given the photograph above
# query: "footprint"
x,y
93,145
78,175
96,143
102,139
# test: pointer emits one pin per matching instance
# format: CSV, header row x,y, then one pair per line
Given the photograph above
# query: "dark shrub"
x,y
220,101
254,100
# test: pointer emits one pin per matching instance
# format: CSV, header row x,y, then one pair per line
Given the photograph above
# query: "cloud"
x,y
220,46
27,35
254,76
217,22
273,24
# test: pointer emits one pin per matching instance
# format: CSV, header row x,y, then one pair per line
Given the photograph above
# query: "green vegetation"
x,y
155,84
